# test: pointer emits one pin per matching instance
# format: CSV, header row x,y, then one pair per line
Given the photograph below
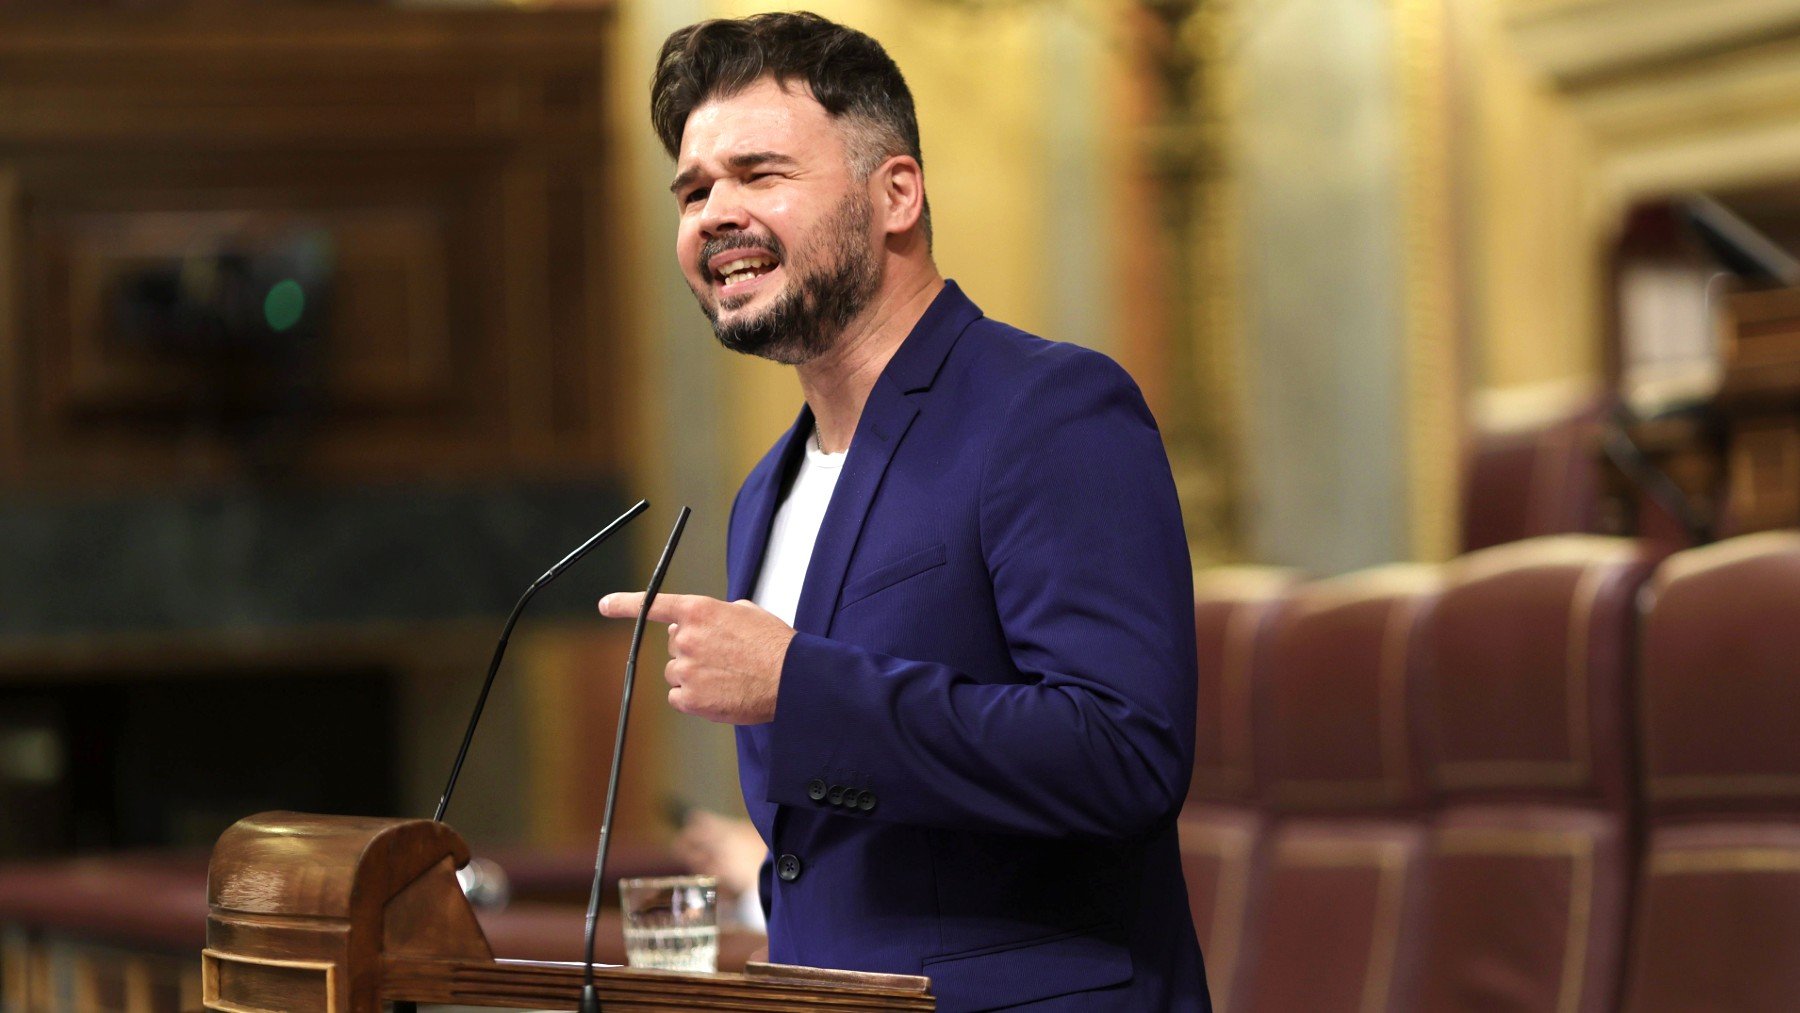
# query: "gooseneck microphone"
x,y
500,649
590,997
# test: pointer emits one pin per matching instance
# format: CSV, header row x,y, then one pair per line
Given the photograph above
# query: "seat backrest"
x,y
1331,930
1721,680
1233,609
1221,830
1222,858
1342,695
1532,473
1718,912
1527,665
1528,659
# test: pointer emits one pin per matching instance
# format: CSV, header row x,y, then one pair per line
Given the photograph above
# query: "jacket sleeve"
x,y
1094,735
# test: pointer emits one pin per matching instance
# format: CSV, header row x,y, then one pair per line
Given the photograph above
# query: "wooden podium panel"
x,y
341,914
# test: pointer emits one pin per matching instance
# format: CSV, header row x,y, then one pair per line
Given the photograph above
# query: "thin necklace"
x,y
819,440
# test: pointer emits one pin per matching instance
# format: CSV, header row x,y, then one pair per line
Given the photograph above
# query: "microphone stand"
x,y
590,996
500,649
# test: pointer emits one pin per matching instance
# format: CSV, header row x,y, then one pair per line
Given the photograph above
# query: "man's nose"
x,y
724,210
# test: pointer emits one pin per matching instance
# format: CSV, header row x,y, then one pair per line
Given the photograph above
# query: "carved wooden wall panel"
x,y
455,160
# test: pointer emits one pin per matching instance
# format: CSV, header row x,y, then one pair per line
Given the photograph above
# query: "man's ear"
x,y
900,196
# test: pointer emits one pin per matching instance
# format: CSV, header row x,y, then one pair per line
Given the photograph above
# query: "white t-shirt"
x,y
794,530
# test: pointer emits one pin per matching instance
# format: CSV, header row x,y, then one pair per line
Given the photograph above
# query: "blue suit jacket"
x,y
985,724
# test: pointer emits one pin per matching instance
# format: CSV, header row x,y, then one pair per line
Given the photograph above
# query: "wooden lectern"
x,y
343,914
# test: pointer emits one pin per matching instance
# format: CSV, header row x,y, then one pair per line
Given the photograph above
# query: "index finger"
x,y
667,608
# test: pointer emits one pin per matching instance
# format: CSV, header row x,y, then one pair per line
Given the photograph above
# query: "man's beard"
x,y
819,302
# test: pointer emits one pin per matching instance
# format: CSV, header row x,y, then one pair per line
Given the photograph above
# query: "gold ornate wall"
x,y
1532,217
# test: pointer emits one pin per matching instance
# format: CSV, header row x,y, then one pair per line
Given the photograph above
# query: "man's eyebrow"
x,y
755,158
747,160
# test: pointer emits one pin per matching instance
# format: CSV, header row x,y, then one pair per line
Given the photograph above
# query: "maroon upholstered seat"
x,y
1338,901
1221,862
1340,774
1527,479
152,902
1718,899
1221,830
1341,695
566,874
1233,609
1526,909
1527,667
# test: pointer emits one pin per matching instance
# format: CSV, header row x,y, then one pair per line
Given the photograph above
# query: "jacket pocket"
x,y
1035,969
910,565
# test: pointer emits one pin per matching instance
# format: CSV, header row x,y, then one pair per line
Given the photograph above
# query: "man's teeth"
x,y
749,267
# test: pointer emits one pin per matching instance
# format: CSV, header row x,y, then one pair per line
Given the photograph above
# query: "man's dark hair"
x,y
848,72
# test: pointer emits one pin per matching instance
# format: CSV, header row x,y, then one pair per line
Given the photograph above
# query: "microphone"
x,y
500,649
590,997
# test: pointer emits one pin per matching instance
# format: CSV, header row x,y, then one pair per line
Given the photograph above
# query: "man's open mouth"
x,y
733,269
746,269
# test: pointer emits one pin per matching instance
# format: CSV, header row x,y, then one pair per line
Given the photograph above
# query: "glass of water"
x,y
671,922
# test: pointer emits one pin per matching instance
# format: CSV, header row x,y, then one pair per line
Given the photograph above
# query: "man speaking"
x,y
960,653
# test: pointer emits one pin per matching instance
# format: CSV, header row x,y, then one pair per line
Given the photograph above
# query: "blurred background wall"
x,y
1329,238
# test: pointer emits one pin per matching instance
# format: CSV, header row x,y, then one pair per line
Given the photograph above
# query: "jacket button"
x,y
837,795
815,789
865,800
788,868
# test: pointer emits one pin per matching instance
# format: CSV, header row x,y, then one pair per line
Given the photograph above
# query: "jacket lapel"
x,y
893,404
885,419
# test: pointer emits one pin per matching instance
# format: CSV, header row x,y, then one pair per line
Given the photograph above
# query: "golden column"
x,y
1186,156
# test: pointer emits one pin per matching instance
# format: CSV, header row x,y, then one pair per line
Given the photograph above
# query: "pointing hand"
x,y
725,658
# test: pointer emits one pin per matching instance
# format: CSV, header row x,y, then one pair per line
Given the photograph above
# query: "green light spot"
x,y
284,304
